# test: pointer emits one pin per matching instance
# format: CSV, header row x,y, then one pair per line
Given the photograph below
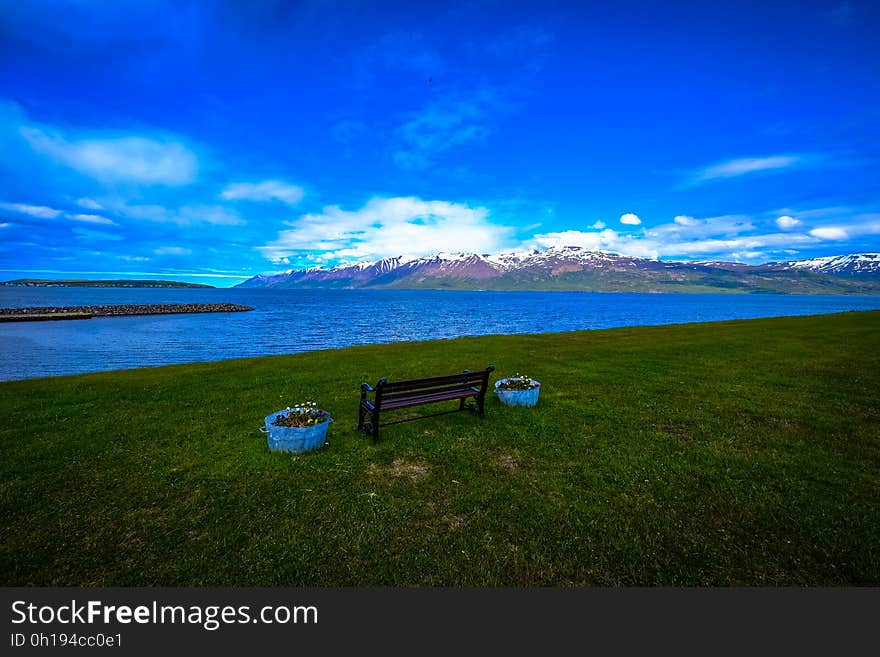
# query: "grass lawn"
x,y
743,452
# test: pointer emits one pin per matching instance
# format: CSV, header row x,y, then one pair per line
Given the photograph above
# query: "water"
x,y
289,321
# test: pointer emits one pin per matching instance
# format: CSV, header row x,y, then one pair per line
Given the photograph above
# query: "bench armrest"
x,y
366,387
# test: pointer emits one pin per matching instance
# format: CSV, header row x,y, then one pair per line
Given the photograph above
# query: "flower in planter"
x,y
306,414
518,382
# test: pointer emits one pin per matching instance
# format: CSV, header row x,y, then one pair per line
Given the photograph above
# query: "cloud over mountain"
x,y
386,227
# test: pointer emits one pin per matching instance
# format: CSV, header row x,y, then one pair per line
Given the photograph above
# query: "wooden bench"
x,y
394,395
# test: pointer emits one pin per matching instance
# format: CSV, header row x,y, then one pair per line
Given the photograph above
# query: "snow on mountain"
x,y
542,266
847,265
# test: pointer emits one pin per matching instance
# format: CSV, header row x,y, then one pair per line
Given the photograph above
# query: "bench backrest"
x,y
450,382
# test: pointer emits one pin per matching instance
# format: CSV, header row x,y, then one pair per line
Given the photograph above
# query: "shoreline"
x,y
52,313
330,351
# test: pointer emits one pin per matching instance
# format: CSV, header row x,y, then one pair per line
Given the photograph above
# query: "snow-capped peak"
x,y
856,262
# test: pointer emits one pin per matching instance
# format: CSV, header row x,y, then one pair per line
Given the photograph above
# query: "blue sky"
x,y
212,141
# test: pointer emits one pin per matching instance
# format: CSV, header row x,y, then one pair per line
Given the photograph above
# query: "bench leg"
x,y
361,413
374,425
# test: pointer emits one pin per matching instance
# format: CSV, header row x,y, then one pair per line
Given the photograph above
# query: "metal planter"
x,y
518,397
294,439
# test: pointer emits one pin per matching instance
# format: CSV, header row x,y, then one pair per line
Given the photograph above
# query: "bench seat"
x,y
395,395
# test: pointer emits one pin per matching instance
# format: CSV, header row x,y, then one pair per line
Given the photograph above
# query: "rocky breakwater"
x,y
88,312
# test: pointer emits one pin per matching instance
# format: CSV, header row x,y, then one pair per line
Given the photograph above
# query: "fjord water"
x,y
290,321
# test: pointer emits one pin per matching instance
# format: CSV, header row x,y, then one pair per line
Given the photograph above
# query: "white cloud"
x,y
746,255
820,213
92,219
89,204
685,227
442,125
43,212
388,227
209,214
410,227
726,245
38,211
730,236
604,240
630,219
830,233
87,234
745,165
664,243
158,213
786,222
133,159
267,190
183,216
172,250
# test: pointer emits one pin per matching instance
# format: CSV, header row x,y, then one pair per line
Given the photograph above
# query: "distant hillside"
x,y
573,268
37,282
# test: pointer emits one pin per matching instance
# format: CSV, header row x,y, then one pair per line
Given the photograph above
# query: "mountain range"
x,y
575,268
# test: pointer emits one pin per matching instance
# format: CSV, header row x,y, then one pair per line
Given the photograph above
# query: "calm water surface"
x,y
291,321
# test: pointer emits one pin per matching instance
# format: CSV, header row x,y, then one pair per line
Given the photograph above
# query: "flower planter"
x,y
294,439
518,397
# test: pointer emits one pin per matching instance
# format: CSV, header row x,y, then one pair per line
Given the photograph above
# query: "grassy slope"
x,y
726,453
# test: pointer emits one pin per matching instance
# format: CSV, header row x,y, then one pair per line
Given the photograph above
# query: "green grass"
x,y
742,452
